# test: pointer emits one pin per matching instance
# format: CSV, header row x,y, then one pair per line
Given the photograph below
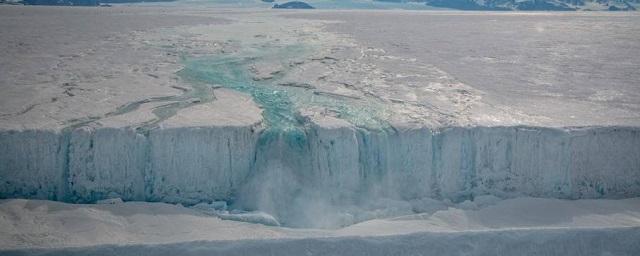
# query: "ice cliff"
x,y
295,176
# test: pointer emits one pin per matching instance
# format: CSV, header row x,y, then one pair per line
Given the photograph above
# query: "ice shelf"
x,y
281,116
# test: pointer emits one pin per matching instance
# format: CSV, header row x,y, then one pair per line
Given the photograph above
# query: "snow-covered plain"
x,y
318,120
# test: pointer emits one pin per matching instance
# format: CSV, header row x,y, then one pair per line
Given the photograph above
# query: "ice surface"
x,y
565,69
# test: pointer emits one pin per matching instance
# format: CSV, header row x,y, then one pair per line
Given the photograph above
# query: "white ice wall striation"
x,y
321,172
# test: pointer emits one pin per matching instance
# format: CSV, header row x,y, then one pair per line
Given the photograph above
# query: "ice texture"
x,y
32,164
299,177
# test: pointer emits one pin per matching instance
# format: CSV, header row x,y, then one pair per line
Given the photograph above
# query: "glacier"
x,y
323,171
342,130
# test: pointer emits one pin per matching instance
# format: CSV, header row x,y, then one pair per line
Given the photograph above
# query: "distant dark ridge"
x,y
293,5
132,1
539,5
62,2
528,5
628,7
501,5
467,5
84,2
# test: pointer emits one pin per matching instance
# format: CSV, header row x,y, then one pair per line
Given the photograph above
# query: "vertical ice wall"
x,y
190,165
106,163
32,164
294,175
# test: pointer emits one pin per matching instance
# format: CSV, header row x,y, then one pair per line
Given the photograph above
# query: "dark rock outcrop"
x,y
293,5
62,2
533,5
